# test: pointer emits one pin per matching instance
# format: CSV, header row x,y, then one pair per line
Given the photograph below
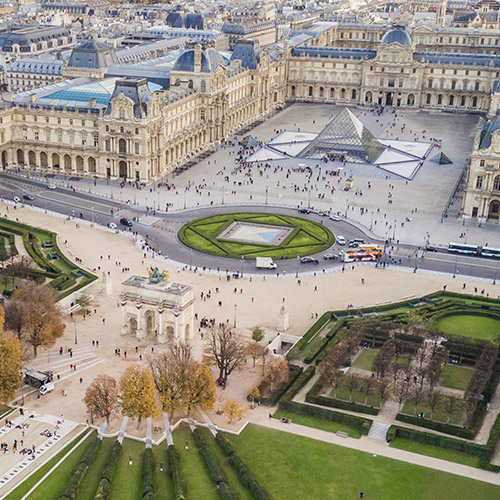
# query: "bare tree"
x,y
352,385
417,396
433,400
400,390
383,389
451,403
367,387
101,398
14,316
225,350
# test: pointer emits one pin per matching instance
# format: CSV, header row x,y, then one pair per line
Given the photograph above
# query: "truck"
x,y
265,263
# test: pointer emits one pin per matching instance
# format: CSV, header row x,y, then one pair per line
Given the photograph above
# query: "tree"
x,y
14,317
254,394
43,323
84,301
367,387
233,409
382,387
225,350
433,400
418,395
138,393
352,385
400,389
101,398
330,374
182,382
451,404
257,333
277,372
254,351
10,363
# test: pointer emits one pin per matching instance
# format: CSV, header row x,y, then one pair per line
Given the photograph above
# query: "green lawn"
x,y
317,423
127,481
59,483
164,485
456,377
357,396
365,359
308,237
435,451
440,412
291,466
480,327
92,477
193,469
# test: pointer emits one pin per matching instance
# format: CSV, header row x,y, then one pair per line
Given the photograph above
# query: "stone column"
x,y
124,329
161,334
176,330
139,332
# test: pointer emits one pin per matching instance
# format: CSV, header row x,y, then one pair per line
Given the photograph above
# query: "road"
x,y
161,229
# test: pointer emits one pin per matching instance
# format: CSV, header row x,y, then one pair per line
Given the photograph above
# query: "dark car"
x,y
304,210
353,244
28,197
330,256
431,248
126,222
309,260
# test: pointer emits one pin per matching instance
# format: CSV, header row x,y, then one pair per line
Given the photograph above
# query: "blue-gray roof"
x,y
136,89
457,59
37,66
246,52
234,29
26,36
153,73
210,59
397,35
334,52
92,55
487,128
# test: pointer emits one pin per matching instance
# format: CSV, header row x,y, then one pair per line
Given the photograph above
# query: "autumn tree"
x,y
254,394
277,372
138,393
101,398
14,317
233,409
257,333
330,374
10,363
254,351
225,350
43,323
182,382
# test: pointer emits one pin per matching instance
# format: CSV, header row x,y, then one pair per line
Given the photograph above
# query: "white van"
x,y
340,240
45,389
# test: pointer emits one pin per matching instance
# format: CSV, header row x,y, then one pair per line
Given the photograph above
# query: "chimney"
x,y
197,58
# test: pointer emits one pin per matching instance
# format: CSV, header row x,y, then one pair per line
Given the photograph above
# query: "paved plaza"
x,y
389,205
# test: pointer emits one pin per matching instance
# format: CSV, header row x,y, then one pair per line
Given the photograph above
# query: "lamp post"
x,y
394,231
235,309
495,276
297,271
242,263
190,258
346,207
184,198
92,216
76,337
267,193
371,222
309,195
455,270
223,189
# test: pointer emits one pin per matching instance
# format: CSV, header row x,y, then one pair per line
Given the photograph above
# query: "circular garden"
x,y
252,235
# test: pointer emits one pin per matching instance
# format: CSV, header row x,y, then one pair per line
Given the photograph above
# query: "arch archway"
x,y
4,159
149,319
91,164
187,332
170,333
411,100
79,164
55,161
368,97
44,161
32,159
494,210
67,162
132,325
122,167
20,157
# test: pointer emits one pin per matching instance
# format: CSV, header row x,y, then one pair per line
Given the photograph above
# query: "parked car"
x,y
431,248
330,256
304,210
353,244
323,214
359,241
340,240
51,186
112,225
28,197
126,222
309,260
335,218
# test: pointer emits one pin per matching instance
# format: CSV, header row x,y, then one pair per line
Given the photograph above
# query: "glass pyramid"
x,y
345,138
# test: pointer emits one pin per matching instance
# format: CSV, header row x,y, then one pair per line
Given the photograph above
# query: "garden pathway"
x,y
489,420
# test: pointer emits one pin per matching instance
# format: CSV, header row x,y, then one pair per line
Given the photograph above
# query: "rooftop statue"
x,y
155,276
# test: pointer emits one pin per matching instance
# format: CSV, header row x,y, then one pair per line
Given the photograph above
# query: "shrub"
x,y
437,426
293,372
300,382
148,467
312,397
215,473
104,487
173,470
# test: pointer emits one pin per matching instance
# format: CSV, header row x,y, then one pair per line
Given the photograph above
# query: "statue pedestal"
x,y
106,287
139,334
282,325
124,330
162,339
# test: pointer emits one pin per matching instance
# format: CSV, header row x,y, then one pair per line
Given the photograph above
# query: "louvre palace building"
x,y
142,120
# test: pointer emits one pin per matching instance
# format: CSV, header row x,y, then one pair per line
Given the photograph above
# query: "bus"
x,y
363,253
490,252
462,248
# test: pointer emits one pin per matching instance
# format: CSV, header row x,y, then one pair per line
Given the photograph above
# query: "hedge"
x,y
104,487
300,382
315,328
148,467
216,474
71,490
257,491
173,470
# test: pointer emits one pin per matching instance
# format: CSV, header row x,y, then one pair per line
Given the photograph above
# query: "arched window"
x,y
353,94
451,100
430,83
474,101
479,182
293,90
122,146
310,91
203,86
121,112
496,183
428,99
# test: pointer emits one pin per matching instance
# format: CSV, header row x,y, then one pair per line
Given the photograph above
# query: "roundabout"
x,y
251,235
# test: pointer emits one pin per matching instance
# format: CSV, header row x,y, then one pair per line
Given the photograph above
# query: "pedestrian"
x,y
103,321
81,380
362,281
361,494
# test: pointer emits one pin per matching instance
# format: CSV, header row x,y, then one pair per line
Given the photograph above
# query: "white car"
x,y
335,218
340,240
17,199
51,186
112,225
